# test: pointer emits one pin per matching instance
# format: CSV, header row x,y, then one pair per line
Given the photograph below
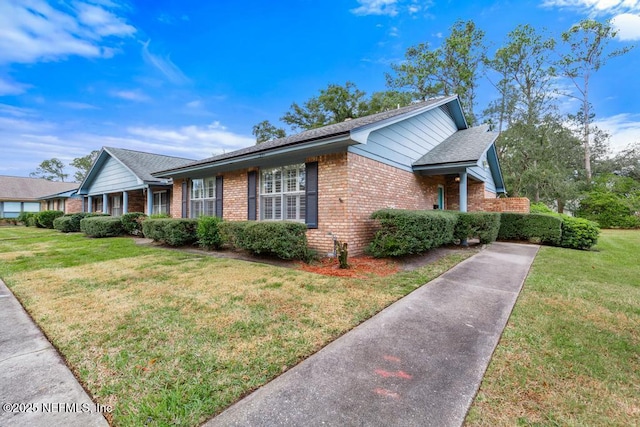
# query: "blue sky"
x,y
190,78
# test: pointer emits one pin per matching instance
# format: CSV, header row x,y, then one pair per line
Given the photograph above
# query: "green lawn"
x,y
570,355
172,338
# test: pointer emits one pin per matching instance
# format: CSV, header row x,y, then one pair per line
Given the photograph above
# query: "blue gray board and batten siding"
x,y
114,177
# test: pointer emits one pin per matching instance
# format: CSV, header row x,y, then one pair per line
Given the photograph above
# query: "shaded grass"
x,y
172,338
570,354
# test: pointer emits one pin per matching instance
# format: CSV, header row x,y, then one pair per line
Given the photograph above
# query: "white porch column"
x,y
463,191
125,202
105,204
149,201
89,204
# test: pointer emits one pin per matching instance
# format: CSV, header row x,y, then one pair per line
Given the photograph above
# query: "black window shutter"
x,y
311,171
185,198
252,188
219,193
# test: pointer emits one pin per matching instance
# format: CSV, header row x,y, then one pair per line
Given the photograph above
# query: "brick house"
x,y
68,202
19,194
423,156
120,181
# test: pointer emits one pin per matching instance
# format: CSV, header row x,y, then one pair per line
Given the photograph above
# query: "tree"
x,y
335,104
265,131
525,77
385,101
452,69
83,165
51,170
587,51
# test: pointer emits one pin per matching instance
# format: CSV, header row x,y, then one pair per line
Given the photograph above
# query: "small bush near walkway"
x,y
283,239
45,219
70,223
170,231
101,226
406,232
536,228
27,218
483,225
208,232
579,233
132,223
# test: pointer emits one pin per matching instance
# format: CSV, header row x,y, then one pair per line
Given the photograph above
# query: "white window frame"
x,y
158,206
203,197
283,193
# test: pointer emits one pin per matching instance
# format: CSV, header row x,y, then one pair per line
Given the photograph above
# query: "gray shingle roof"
x,y
23,189
463,146
337,129
143,164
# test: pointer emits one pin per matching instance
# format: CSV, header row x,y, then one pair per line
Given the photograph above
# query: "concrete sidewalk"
x,y
417,363
36,386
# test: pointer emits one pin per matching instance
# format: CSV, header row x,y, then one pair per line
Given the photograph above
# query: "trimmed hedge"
x,y
101,226
70,223
132,222
170,231
483,225
405,232
232,233
537,228
45,219
579,233
28,218
283,239
208,232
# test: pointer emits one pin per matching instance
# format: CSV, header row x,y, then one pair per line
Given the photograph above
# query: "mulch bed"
x,y
359,267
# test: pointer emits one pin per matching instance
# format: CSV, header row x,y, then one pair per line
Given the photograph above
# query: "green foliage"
x,y
578,233
614,202
132,223
538,228
283,239
101,226
171,231
232,233
70,223
51,170
540,207
265,131
27,218
208,232
159,216
405,232
45,218
483,225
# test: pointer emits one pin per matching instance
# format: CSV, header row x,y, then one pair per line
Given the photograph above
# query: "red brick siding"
x,y
234,198
176,199
509,204
136,201
72,206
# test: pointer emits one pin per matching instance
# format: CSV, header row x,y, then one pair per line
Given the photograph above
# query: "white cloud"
x,y
164,65
627,25
34,30
78,105
194,104
9,87
376,7
130,95
624,129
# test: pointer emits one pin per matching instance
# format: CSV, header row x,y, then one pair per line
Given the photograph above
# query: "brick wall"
x,y
508,204
176,199
234,198
136,201
72,206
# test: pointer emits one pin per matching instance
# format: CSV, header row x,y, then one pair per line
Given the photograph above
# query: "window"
x,y
203,197
282,193
116,206
161,202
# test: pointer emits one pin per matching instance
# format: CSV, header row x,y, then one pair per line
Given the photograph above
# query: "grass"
x,y
173,338
570,354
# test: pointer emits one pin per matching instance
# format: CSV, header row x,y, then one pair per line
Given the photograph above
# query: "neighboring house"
x,y
66,201
120,181
19,194
423,156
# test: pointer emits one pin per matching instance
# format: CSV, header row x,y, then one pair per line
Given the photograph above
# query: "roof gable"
x,y
465,146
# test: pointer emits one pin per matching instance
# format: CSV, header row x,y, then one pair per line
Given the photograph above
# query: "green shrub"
x,y
159,216
173,232
101,226
27,218
539,207
208,232
483,225
578,233
609,210
283,239
404,232
232,233
537,228
132,223
45,218
70,223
